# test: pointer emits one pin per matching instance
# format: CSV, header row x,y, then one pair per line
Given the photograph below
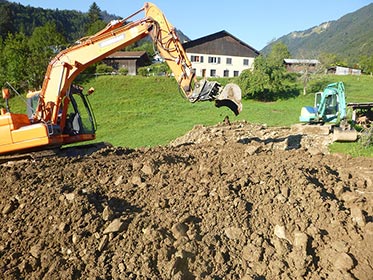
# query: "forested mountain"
x,y
16,18
349,37
71,24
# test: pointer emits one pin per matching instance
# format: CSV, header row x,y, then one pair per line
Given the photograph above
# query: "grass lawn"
x,y
134,111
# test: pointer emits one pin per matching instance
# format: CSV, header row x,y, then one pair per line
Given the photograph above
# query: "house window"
x,y
246,62
214,59
196,58
212,73
226,73
229,60
235,73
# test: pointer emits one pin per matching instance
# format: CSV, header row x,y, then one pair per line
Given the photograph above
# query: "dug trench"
x,y
231,201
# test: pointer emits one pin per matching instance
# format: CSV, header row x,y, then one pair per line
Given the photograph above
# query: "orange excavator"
x,y
60,113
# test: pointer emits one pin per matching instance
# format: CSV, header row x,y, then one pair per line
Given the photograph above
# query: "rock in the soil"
x,y
115,226
300,240
343,262
357,216
180,229
107,214
234,233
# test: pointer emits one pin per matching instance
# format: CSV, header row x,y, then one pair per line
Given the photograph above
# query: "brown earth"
x,y
235,201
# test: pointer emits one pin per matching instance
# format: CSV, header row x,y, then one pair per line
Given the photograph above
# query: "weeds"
x,y
366,137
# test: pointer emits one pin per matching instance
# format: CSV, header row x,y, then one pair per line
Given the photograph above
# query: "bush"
x,y
317,85
123,71
158,69
366,137
103,68
143,71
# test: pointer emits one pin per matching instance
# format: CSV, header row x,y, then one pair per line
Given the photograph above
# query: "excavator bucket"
x,y
231,98
344,135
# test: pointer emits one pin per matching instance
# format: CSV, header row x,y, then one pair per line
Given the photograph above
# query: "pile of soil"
x,y
231,201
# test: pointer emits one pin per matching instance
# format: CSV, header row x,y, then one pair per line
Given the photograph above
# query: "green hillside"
x,y
350,37
133,111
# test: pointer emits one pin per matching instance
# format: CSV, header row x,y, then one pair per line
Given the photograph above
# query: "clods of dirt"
x,y
237,201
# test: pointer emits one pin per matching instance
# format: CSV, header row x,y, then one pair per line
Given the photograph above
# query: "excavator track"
x,y
31,155
36,155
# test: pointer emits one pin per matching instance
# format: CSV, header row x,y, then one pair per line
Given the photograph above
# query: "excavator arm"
x,y
68,64
57,118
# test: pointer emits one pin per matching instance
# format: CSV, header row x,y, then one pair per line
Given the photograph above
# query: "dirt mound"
x,y
225,202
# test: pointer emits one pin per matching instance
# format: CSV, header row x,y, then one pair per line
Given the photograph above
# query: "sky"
x,y
255,22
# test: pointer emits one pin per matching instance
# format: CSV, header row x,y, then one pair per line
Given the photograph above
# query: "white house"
x,y
220,55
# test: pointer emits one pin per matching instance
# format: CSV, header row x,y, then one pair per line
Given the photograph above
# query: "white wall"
x,y
347,71
237,65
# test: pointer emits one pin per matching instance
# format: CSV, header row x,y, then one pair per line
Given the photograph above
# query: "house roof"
x,y
222,46
121,54
301,61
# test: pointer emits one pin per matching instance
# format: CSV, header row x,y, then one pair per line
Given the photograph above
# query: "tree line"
x,y
31,37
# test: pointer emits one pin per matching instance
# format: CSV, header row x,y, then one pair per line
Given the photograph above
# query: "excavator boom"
x,y
57,117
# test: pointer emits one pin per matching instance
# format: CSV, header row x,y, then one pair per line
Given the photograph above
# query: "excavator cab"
x,y
330,105
76,107
80,118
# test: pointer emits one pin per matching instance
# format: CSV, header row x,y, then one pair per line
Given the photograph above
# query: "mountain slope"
x,y
72,24
16,17
350,36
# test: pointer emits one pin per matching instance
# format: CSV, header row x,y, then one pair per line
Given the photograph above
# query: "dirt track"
x,y
226,202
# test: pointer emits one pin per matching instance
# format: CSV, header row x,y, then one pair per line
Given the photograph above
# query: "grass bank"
x,y
134,111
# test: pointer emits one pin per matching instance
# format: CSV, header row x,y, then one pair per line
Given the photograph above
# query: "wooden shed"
x,y
301,65
130,60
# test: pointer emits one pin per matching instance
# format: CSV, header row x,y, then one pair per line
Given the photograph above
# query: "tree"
x,y
278,53
2,64
15,60
267,81
307,69
328,59
95,27
94,13
366,64
6,20
102,68
95,22
143,46
44,44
